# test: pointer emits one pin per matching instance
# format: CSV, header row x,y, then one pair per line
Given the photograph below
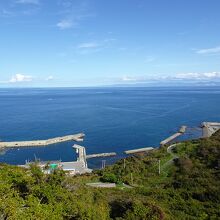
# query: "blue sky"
x,y
97,42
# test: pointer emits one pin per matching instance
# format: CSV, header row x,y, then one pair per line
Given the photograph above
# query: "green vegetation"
x,y
186,188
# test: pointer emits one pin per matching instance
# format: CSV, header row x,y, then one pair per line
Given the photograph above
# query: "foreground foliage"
x,y
187,188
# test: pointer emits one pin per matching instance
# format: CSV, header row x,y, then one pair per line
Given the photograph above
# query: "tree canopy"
x,y
186,188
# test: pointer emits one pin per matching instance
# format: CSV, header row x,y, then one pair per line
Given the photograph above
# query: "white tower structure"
x,y
81,151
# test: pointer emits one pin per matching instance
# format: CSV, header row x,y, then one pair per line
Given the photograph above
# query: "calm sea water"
x,y
113,119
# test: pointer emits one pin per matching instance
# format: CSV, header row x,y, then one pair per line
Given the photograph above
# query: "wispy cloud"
x,y
49,78
35,2
95,46
66,24
20,78
73,13
88,45
24,78
138,78
6,13
149,59
193,77
214,50
198,76
126,78
13,10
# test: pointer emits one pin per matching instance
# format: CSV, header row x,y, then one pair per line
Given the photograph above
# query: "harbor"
x,y
80,166
72,168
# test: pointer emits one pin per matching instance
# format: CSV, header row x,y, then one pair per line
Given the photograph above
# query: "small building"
x,y
73,168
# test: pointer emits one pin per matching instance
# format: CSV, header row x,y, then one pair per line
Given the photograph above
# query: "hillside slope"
x,y
186,188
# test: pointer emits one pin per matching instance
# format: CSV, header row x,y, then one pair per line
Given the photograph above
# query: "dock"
x,y
181,131
112,154
72,168
37,143
171,138
209,128
139,150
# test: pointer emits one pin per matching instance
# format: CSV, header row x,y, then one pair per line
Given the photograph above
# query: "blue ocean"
x,y
113,119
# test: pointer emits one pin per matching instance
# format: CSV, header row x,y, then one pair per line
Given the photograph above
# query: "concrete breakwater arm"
x,y
209,128
36,143
101,155
138,150
171,138
181,131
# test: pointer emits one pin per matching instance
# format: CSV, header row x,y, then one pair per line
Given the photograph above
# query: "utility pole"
x,y
159,166
35,158
103,164
132,179
124,163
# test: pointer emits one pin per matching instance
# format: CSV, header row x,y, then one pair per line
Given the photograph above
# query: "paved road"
x,y
174,156
170,149
101,185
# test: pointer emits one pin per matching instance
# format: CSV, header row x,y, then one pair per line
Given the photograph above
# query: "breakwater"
x,y
139,150
37,143
181,131
111,154
209,128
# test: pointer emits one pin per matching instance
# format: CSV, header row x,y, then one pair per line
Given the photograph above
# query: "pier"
x,y
72,168
209,128
181,131
80,165
139,150
37,143
81,151
101,155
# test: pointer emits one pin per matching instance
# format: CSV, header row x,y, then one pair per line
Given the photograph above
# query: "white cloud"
x,y
143,78
72,13
198,76
149,59
66,24
6,13
129,79
49,78
35,2
20,78
194,77
107,40
95,46
88,45
214,50
101,44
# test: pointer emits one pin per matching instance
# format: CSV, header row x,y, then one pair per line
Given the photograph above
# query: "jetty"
x,y
37,143
181,131
209,128
111,154
139,150
72,168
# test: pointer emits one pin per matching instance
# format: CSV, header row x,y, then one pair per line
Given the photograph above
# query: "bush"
x,y
109,177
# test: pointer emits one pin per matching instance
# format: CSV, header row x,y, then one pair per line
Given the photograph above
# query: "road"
x,y
174,156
